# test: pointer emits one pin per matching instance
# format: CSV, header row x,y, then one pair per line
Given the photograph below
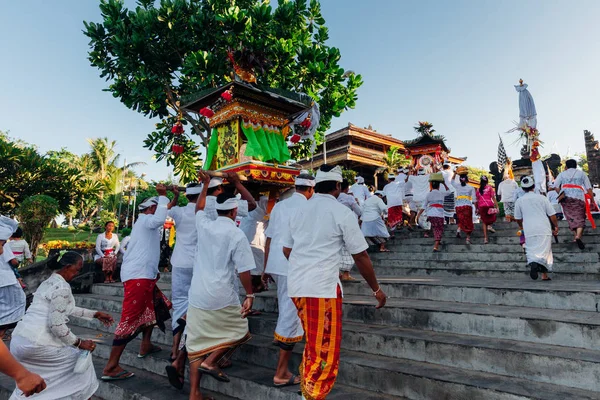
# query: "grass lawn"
x,y
65,234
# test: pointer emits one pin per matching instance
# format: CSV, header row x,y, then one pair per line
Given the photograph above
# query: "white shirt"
x,y
318,231
553,197
102,244
279,225
420,186
433,200
7,275
447,174
210,208
507,189
187,237
573,176
373,208
254,224
124,244
350,201
143,250
222,249
534,209
361,192
394,193
20,249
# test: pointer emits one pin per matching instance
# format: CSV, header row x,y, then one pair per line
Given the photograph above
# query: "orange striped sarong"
x,y
322,323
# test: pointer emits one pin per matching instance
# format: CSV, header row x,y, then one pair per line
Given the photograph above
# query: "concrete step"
x,y
248,381
479,273
558,327
459,246
537,325
566,241
516,256
570,295
537,362
450,230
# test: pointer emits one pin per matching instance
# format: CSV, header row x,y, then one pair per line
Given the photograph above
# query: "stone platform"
x,y
466,323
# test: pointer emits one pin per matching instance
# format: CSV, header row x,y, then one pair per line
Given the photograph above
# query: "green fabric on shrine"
x,y
213,146
265,146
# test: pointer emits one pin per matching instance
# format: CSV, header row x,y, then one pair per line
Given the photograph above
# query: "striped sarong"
x,y
322,322
449,205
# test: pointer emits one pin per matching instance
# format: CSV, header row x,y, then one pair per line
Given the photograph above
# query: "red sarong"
x,y
437,226
322,323
486,217
394,216
464,215
138,312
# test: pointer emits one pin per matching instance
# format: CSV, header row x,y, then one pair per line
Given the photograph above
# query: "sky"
x,y
450,62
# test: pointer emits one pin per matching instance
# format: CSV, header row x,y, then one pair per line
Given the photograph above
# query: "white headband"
x,y
380,192
421,172
229,204
527,182
8,226
152,201
214,182
360,179
391,176
193,190
334,175
305,179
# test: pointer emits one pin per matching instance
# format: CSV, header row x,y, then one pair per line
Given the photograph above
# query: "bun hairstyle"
x,y
62,259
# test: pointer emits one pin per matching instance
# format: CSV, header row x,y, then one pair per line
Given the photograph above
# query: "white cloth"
x,y
181,282
318,230
7,275
373,208
8,226
527,112
222,250
361,192
289,325
539,249
124,244
279,225
420,187
20,249
350,201
539,175
553,197
12,304
435,197
254,226
102,244
447,174
143,251
394,193
534,209
375,228
210,208
187,237
573,176
56,366
464,195
507,189
335,174
45,322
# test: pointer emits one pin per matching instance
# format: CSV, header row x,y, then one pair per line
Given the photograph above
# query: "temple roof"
x,y
426,140
282,100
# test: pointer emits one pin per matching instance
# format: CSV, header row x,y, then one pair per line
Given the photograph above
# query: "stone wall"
x,y
592,152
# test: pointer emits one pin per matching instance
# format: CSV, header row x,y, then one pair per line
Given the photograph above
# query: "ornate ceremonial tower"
x,y
592,152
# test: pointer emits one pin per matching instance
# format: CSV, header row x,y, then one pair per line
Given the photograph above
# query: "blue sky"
x,y
453,63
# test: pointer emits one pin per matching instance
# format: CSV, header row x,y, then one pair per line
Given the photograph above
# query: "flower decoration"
x,y
177,129
207,112
306,123
177,149
227,95
295,138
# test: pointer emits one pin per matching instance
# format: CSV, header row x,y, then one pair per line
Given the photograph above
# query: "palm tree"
x,y
393,160
424,128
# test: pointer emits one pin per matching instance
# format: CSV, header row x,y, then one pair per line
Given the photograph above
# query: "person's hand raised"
x,y
161,189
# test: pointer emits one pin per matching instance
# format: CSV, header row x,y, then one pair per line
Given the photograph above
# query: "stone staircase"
x,y
466,323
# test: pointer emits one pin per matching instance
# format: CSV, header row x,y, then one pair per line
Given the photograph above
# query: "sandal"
x,y
155,349
290,382
175,378
118,377
468,241
580,244
215,373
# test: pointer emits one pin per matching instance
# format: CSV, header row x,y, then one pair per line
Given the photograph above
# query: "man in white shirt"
x,y
289,330
182,258
216,323
533,213
254,226
314,252
394,193
373,226
12,297
506,191
420,188
139,274
215,188
348,199
360,190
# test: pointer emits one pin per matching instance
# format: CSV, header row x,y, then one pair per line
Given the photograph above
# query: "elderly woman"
x,y
12,297
372,226
43,342
107,249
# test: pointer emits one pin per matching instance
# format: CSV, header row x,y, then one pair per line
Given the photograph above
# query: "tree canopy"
x,y
155,55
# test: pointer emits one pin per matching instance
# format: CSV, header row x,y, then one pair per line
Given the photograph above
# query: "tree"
x,y
583,162
394,160
25,172
35,213
157,55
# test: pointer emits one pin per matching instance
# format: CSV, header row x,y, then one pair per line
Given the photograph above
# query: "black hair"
x,y
326,187
571,164
483,181
466,179
211,190
108,222
529,189
222,198
435,185
18,233
327,167
345,184
446,166
68,258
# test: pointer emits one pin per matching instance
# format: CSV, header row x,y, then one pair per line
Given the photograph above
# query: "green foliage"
x,y
35,213
103,217
476,173
25,172
349,175
583,162
394,159
157,54
151,192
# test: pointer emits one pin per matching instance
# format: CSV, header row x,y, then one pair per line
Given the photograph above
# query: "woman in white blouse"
x,y
43,342
107,249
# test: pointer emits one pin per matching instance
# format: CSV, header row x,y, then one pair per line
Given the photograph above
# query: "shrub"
x,y
35,213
